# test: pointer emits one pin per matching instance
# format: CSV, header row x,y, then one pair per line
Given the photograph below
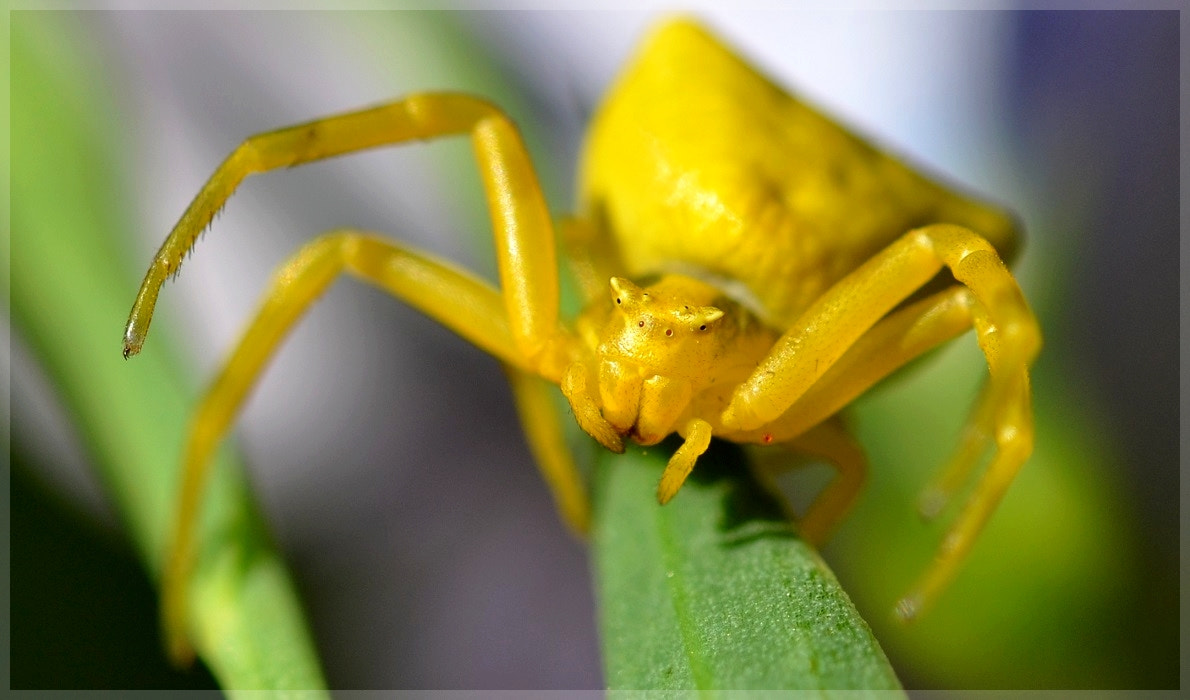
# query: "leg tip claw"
x,y
908,608
931,502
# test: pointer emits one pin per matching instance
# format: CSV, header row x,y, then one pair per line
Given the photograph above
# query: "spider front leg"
x,y
840,346
518,324
525,247
455,298
889,345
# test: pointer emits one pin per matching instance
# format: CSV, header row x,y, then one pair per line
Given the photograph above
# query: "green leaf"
x,y
716,590
70,293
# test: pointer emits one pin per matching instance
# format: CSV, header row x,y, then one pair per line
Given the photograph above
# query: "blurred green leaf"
x,y
716,589
70,294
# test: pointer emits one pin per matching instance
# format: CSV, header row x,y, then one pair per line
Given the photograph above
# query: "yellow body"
x,y
745,184
750,267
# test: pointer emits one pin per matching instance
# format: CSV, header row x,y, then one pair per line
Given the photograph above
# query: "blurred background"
x,y
385,451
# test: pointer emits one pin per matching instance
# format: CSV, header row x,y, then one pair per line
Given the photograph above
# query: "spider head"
x,y
658,328
656,350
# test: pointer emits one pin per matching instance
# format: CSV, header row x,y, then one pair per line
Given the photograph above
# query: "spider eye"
x,y
668,332
617,300
641,324
703,327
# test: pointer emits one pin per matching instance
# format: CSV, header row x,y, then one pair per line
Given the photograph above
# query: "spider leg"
x,y
830,441
886,347
518,324
830,338
1006,409
890,344
525,245
543,431
457,299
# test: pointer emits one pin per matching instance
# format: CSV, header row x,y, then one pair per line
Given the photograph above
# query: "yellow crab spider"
x,y
749,268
